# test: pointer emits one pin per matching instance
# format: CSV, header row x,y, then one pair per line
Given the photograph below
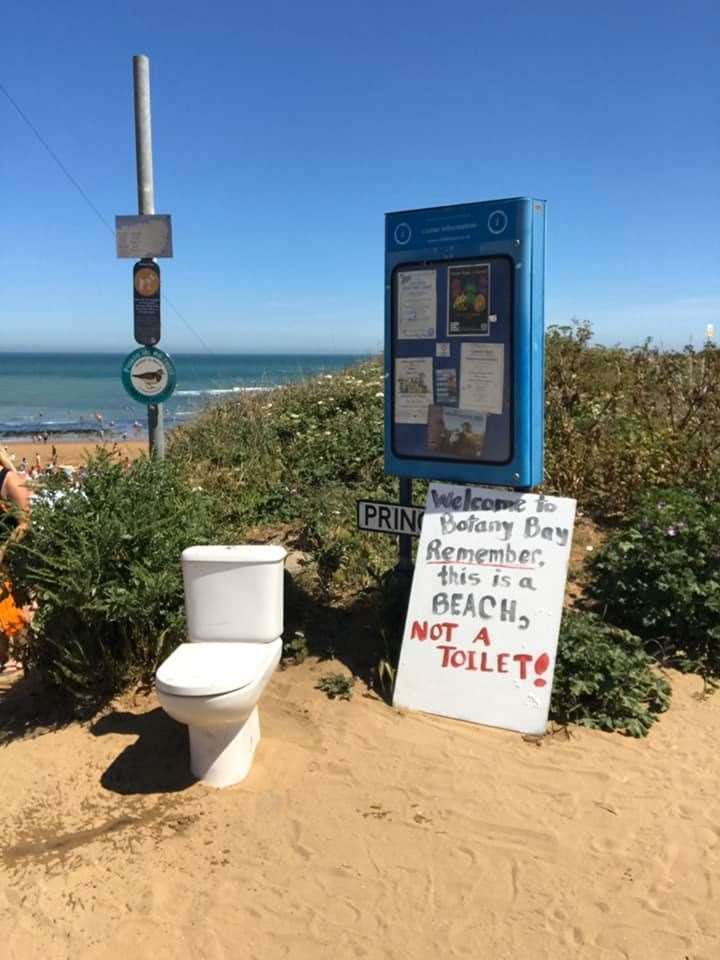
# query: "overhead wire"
x,y
89,202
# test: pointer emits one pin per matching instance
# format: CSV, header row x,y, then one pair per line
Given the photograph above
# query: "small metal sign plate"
x,y
148,375
144,235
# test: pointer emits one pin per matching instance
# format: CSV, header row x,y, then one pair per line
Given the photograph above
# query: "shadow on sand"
x,y
155,762
27,709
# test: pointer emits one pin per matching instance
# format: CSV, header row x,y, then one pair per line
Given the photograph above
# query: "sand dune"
x,y
363,832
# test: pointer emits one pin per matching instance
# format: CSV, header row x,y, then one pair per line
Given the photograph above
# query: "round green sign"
x,y
148,375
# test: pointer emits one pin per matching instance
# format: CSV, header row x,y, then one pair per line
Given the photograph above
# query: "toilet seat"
x,y
208,669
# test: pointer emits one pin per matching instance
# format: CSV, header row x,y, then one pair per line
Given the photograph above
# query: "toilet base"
x,y
222,756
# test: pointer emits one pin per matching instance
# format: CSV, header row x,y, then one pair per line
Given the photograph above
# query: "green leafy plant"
x,y
336,685
102,563
604,678
295,648
659,576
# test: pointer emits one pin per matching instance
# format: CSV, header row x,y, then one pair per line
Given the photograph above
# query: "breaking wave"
x,y
214,392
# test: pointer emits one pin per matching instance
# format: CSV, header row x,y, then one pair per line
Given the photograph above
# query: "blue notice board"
x,y
464,342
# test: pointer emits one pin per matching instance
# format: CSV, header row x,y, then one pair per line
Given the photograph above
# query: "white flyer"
x,y
417,305
482,372
413,389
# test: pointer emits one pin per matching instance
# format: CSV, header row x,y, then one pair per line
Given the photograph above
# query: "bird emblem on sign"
x,y
149,376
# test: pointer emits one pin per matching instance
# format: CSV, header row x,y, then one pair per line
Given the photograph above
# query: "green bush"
x,y
618,421
604,678
103,564
660,577
301,455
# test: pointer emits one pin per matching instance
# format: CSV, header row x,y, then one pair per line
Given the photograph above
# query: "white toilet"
x,y
234,609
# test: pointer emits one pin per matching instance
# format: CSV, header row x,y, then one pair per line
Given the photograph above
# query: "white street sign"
x,y
377,517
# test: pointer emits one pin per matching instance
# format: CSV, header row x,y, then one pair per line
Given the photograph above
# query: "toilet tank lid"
x,y
240,553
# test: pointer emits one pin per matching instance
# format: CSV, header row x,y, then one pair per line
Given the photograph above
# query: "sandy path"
x,y
362,832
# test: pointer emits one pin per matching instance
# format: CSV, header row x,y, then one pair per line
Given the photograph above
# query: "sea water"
x,y
80,393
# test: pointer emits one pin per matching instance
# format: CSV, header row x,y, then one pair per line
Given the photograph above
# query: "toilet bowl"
x,y
214,688
234,609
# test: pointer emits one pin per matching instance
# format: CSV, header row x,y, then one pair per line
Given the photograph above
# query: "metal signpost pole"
x,y
405,564
146,205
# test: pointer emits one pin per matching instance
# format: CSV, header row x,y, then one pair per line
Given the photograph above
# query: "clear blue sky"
x,y
284,131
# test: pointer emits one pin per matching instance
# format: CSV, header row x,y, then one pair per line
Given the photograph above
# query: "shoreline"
x,y
82,397
121,428
71,453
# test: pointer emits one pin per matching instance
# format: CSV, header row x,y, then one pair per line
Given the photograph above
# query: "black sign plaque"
x,y
146,302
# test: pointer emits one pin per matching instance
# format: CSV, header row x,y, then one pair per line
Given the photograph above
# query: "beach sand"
x,y
363,832
71,453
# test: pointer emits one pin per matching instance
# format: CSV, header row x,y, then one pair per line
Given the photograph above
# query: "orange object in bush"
x,y
12,618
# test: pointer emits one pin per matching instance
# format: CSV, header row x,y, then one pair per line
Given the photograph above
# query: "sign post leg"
x,y
156,434
405,540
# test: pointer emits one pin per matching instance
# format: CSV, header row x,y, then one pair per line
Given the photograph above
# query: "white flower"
x,y
295,416
379,394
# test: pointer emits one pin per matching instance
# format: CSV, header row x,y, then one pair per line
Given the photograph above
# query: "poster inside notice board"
x,y
452,360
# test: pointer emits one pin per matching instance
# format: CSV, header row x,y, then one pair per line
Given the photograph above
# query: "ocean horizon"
x,y
75,394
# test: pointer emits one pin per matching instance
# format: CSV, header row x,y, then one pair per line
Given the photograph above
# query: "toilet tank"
x,y
234,593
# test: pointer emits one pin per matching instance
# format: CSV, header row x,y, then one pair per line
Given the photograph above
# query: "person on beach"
x,y
12,486
14,521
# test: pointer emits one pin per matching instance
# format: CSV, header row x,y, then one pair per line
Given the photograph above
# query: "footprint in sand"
x,y
376,811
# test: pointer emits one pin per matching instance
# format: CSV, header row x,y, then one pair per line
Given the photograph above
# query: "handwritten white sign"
x,y
485,606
